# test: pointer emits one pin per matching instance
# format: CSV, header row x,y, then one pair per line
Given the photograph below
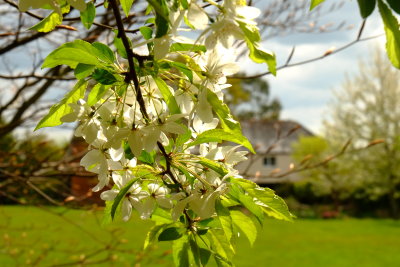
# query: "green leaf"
x,y
152,234
184,4
180,251
225,220
162,16
120,196
215,166
272,204
107,214
366,7
126,6
237,193
183,138
184,69
104,77
72,54
49,23
97,92
161,216
245,225
195,251
161,8
24,5
257,54
221,247
88,15
78,4
229,124
140,171
162,26
104,53
83,70
392,34
147,32
57,111
120,46
167,95
148,157
251,32
175,47
171,233
395,5
219,135
315,3
205,255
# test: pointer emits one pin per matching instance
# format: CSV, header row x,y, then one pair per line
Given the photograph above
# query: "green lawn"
x,y
30,236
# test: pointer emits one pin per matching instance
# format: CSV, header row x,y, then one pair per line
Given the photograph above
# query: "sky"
x,y
306,90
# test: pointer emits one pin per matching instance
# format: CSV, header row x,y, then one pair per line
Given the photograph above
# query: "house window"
x,y
269,161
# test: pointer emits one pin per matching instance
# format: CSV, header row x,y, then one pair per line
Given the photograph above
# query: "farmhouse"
x,y
272,140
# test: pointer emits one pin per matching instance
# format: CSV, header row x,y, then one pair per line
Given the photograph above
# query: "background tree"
x,y
332,179
365,109
250,98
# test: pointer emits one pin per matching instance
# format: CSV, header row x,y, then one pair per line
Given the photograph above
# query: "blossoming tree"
x,y
159,133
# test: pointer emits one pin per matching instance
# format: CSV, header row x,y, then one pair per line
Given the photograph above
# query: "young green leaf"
x,y
153,233
120,46
104,77
227,122
107,214
392,34
257,54
225,220
24,5
57,111
103,52
395,5
238,194
205,255
245,225
83,70
366,7
72,54
208,163
272,204
167,95
97,92
172,233
315,3
183,138
138,172
146,32
180,251
126,6
148,157
184,69
175,47
49,23
120,196
78,4
221,247
88,15
219,135
162,16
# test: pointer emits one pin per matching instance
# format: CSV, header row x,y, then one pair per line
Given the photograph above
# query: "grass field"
x,y
34,237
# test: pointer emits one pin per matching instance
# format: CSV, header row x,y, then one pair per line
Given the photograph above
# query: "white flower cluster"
x,y
122,137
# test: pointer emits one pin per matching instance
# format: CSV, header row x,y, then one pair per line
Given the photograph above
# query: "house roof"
x,y
273,136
